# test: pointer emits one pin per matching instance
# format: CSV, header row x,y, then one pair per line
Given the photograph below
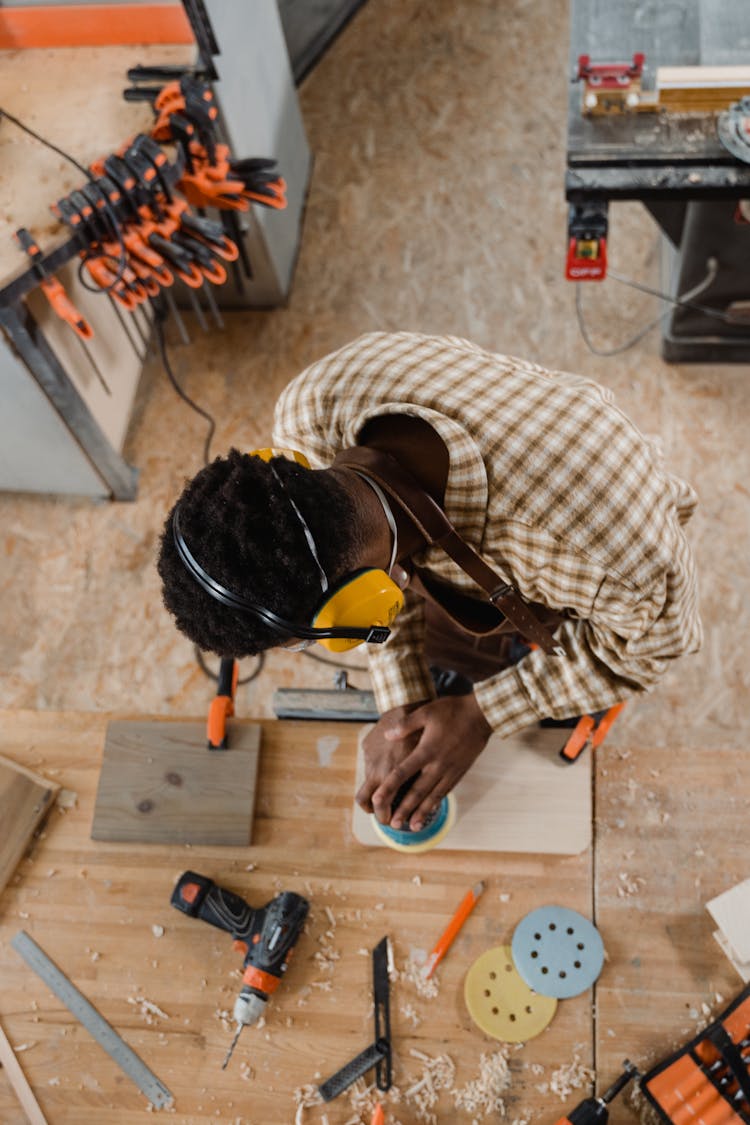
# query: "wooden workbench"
x,y
92,907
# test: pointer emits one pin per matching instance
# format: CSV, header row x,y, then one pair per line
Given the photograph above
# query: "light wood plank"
x,y
17,1079
92,905
25,798
517,797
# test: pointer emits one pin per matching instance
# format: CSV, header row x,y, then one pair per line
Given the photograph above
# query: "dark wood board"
x,y
160,784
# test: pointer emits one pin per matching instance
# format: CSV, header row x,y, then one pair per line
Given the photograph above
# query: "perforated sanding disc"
x,y
557,951
500,1003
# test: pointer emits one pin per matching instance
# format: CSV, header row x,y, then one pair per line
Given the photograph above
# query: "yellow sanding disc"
x,y
499,1002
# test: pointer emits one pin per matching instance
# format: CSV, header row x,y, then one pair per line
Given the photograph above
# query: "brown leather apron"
x,y
466,634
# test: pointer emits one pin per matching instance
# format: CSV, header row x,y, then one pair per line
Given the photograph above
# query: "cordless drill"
x,y
266,936
594,1111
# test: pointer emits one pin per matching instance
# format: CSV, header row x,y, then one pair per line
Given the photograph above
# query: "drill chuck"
x,y
248,1007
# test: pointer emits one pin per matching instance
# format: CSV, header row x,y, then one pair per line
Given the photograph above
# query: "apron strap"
x,y
435,527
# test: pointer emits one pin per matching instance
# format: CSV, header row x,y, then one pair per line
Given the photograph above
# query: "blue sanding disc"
x,y
557,951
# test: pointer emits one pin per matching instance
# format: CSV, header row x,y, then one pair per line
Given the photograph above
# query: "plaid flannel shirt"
x,y
553,485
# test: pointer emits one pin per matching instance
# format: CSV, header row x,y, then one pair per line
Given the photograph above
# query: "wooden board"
x,y
517,797
92,906
160,784
25,798
671,834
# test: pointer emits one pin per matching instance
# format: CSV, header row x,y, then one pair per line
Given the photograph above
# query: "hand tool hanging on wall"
x,y
60,301
267,936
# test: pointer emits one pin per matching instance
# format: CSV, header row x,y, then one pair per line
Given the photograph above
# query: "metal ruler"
x,y
95,1023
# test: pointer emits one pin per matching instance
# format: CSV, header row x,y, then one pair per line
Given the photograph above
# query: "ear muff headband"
x,y
374,634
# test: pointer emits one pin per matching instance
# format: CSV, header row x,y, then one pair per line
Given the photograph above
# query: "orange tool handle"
x,y
378,1117
65,308
578,740
605,725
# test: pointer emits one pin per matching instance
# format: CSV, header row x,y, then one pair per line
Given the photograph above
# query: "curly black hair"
x,y
238,521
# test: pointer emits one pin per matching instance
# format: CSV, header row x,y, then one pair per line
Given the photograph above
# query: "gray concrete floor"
x,y
436,205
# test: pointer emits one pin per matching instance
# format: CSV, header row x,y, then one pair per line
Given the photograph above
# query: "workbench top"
x,y
658,856
653,155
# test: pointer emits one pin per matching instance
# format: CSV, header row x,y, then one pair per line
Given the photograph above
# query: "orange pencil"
x,y
444,942
378,1117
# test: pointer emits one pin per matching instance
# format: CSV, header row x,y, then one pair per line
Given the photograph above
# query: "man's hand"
x,y
437,740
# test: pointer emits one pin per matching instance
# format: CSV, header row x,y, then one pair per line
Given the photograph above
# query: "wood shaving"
x,y
412,973
25,1046
304,1098
417,880
147,1009
409,1012
157,931
504,897
569,1077
438,1073
629,884
67,799
53,1081
484,1094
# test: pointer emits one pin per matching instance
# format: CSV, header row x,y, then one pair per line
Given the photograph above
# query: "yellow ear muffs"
x,y
365,598
290,454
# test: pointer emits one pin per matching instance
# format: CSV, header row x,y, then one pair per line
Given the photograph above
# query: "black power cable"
x,y
685,300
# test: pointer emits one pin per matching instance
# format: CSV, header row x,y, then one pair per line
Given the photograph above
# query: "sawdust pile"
x,y
567,1078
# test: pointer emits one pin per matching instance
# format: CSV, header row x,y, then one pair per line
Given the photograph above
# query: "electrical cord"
x,y
108,209
685,300
159,322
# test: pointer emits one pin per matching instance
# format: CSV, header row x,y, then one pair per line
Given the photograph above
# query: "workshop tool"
x,y
343,702
613,87
594,1111
267,936
379,1053
222,705
499,1001
436,826
96,1025
733,128
708,1080
587,241
557,951
590,730
446,939
53,290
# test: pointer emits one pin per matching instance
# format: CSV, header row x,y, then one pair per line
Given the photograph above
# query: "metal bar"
x,y
32,347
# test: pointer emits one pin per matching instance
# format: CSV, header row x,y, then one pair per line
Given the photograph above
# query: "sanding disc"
x,y
424,840
499,1002
557,951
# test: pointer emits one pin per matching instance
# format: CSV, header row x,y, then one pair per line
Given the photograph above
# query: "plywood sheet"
x,y
517,797
160,784
24,799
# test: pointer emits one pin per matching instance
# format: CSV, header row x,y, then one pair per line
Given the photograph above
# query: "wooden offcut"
x,y
18,1081
701,89
160,784
517,797
24,799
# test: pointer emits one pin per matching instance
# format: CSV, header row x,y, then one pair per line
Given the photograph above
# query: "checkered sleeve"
x,y
398,669
624,646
